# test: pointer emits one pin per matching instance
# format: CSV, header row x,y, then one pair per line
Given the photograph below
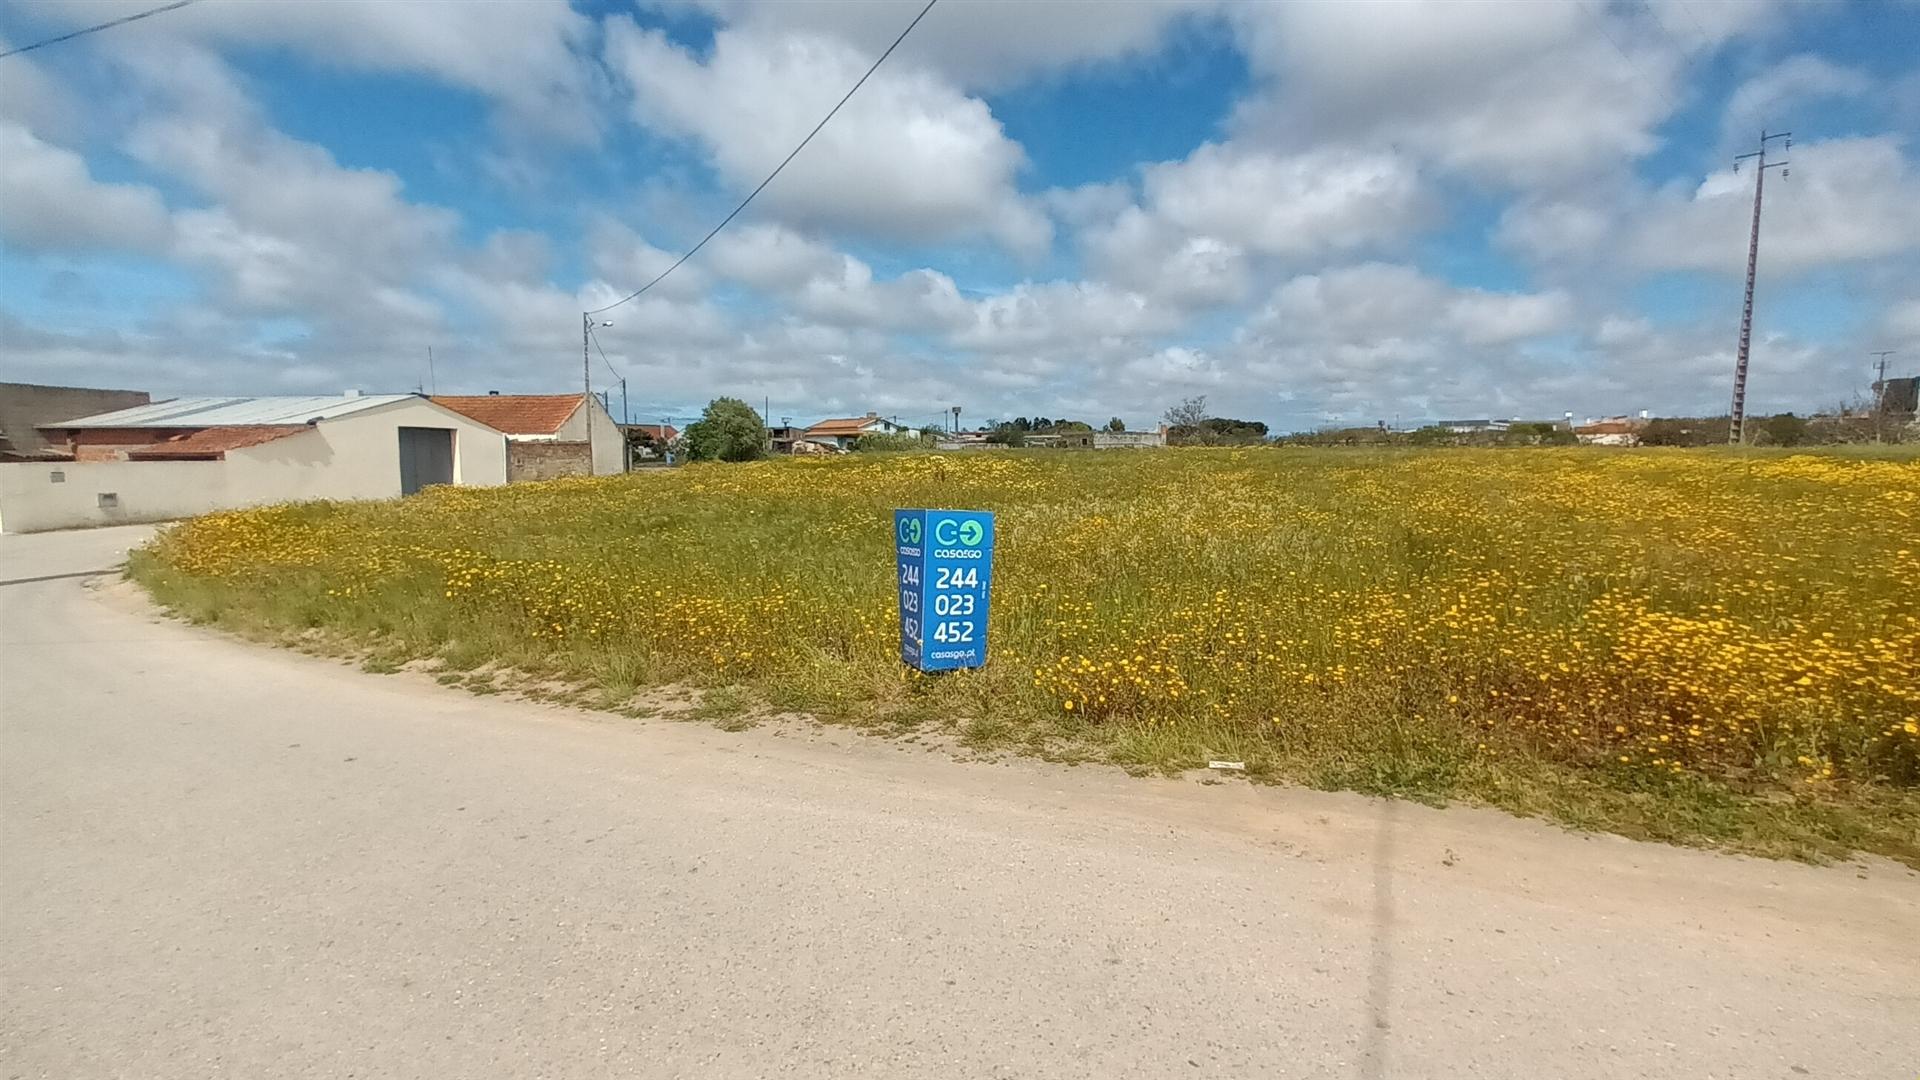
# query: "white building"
x,y
841,434
174,459
548,435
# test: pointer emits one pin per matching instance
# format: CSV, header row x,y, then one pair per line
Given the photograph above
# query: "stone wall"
x,y
544,459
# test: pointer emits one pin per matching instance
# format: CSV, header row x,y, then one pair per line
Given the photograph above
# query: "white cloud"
x,y
1201,218
621,257
29,97
1308,204
1763,101
49,201
1070,316
909,157
523,54
1149,254
771,257
1847,200
1484,318
989,44
1523,93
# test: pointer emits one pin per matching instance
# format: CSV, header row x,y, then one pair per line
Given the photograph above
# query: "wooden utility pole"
x,y
1737,416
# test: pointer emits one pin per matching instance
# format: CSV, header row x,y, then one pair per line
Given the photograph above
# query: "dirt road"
x,y
223,860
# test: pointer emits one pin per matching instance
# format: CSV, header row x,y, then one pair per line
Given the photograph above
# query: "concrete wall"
x,y
24,406
351,457
36,496
609,455
544,459
1128,440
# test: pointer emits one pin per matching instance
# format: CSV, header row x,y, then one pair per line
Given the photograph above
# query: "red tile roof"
x,y
214,442
853,425
514,414
663,432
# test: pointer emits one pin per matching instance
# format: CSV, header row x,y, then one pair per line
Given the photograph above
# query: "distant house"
x,y
187,456
1612,431
782,439
842,434
548,434
649,440
25,407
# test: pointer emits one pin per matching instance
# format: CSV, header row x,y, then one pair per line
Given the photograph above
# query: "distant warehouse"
x,y
173,459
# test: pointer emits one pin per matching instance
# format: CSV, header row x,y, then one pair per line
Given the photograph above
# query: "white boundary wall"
x,y
349,457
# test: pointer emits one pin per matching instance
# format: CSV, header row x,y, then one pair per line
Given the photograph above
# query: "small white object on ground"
x,y
1240,765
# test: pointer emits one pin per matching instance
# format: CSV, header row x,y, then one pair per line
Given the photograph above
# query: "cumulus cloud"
x,y
1150,254
987,44
1517,92
910,157
1848,201
1202,217
1762,101
49,201
524,54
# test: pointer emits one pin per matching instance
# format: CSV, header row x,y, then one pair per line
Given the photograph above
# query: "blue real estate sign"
x,y
945,560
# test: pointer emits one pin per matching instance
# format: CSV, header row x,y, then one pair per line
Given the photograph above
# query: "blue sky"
x,y
1310,213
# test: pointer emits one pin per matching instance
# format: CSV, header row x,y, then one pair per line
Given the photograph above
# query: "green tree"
x,y
1785,429
729,430
1116,424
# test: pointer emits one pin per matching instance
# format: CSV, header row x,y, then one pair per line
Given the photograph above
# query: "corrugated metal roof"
x,y
197,412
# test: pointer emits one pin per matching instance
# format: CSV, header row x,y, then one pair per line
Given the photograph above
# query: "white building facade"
x,y
179,458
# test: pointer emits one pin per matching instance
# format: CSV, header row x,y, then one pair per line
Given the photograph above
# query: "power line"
x,y
776,171
603,355
108,25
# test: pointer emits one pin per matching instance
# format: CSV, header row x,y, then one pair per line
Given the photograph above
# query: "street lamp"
x,y
586,376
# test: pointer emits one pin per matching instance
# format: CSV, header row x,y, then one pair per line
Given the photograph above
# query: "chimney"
x,y
873,415
351,393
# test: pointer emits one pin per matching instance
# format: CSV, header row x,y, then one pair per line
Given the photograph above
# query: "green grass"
x,y
1702,647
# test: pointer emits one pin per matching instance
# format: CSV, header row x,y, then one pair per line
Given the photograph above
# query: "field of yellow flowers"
x,y
1693,645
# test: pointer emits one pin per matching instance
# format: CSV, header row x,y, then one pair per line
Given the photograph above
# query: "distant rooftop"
x,y
199,412
515,414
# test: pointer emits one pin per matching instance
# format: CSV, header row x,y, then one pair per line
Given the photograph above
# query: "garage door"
x,y
426,457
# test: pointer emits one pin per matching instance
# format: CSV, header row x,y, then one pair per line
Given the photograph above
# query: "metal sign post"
x,y
945,573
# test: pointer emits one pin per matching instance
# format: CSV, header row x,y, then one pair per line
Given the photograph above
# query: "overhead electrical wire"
x,y
776,170
595,338
108,25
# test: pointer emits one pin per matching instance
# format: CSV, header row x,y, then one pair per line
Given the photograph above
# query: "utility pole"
x,y
1737,416
1880,393
586,376
433,385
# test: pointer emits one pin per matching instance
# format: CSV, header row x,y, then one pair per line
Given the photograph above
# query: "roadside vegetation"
x,y
1697,646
